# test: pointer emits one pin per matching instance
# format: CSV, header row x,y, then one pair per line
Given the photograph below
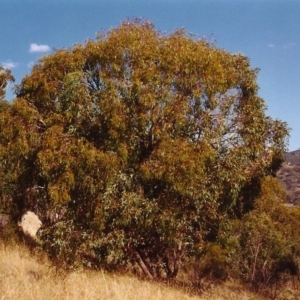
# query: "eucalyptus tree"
x,y
147,140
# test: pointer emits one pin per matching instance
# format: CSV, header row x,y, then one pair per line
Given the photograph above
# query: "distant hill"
x,y
289,176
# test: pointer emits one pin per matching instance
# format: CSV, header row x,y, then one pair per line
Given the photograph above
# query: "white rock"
x,y
30,224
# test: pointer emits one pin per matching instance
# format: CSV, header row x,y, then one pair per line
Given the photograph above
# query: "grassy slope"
x,y
24,277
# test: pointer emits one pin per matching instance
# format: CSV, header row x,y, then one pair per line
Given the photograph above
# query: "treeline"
x,y
150,150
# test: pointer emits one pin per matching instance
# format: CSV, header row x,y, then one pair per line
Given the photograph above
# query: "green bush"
x,y
263,246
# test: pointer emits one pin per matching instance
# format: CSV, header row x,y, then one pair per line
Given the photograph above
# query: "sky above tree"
x,y
265,31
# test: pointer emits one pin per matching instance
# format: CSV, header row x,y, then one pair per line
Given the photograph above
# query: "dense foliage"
x,y
263,247
135,147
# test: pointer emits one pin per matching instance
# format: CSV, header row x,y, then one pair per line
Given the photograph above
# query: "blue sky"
x,y
267,31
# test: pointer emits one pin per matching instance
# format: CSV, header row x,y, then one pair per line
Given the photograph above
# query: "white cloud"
x,y
271,46
38,48
9,64
290,45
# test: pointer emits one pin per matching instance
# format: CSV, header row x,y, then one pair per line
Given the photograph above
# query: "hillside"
x,y
289,176
23,277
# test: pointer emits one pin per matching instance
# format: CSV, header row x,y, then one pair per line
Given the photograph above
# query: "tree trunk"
x,y
141,263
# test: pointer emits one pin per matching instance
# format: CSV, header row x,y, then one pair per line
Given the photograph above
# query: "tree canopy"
x,y
141,142
5,78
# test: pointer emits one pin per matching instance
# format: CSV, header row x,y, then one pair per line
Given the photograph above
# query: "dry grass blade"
x,y
23,277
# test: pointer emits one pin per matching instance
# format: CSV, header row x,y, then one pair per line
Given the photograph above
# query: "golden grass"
x,y
22,276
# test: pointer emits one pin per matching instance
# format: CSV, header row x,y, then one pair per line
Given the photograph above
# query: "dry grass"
x,y
24,277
